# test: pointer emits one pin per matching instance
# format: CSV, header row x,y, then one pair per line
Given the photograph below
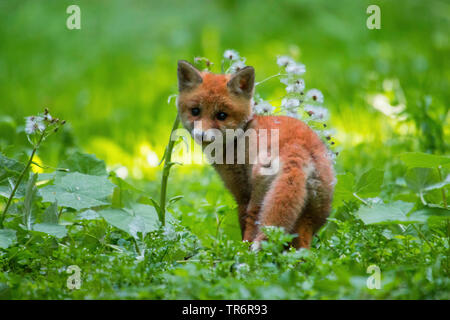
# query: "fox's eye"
x,y
221,116
195,111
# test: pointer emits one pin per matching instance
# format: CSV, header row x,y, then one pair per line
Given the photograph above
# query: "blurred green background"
x,y
111,79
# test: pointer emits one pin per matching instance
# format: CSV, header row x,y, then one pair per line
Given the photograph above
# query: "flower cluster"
x,y
233,61
307,106
296,103
34,124
39,127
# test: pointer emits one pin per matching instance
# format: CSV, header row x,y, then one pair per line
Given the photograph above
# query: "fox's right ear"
x,y
188,76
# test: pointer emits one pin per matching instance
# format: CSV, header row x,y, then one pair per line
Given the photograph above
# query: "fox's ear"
x,y
188,76
243,82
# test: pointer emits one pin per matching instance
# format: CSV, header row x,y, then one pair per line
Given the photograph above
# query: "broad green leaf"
x,y
152,202
119,218
344,188
424,160
30,195
51,214
140,218
7,238
396,212
52,229
9,166
369,184
88,215
85,163
431,212
10,170
78,191
124,194
439,185
419,179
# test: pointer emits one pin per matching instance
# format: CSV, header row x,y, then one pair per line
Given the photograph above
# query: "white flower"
x,y
293,114
316,112
332,156
34,124
29,127
236,66
297,86
315,95
284,81
231,54
296,68
327,134
48,117
242,267
284,61
290,103
263,107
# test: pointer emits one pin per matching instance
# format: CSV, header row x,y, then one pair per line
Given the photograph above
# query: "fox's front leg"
x,y
242,211
250,221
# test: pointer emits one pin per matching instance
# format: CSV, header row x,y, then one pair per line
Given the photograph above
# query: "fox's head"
x,y
214,101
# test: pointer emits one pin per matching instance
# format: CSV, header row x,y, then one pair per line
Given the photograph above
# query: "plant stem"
x,y
275,75
165,174
136,246
22,174
421,235
448,243
18,251
361,199
444,197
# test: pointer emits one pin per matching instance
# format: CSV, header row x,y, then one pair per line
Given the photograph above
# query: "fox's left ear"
x,y
243,82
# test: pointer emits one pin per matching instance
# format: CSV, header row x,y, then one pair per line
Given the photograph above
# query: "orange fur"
x,y
298,197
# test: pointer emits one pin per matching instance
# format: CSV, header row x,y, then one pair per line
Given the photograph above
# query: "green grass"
x,y
111,81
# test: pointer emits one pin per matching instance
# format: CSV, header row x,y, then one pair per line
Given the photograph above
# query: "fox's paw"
x,y
256,246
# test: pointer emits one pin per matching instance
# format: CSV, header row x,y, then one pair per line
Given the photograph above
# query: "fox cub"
x,y
298,195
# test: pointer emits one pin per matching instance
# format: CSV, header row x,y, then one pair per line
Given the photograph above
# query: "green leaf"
x,y
424,160
419,179
391,213
9,166
175,199
51,214
124,194
10,171
369,184
431,212
439,185
85,163
88,215
140,218
52,229
30,195
344,189
7,238
78,191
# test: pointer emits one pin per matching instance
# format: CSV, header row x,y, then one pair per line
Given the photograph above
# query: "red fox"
x,y
298,196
